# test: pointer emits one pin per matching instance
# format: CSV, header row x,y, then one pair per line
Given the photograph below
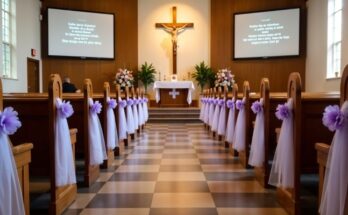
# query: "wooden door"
x,y
33,70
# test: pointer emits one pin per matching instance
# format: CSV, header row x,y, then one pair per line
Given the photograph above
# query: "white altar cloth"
x,y
174,85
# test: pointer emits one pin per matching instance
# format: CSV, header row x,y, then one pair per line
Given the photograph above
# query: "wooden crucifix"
x,y
174,29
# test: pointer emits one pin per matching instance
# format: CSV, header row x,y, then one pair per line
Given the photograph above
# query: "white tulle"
x,y
146,112
206,113
97,149
240,132
130,120
282,172
257,149
334,196
140,114
112,137
211,114
11,200
135,116
122,123
230,125
222,121
216,114
64,158
201,112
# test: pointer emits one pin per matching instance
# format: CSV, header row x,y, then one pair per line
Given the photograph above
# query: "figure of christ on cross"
x,y
174,29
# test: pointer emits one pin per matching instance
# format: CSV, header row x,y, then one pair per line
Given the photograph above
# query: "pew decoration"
x,y
145,108
10,191
334,194
112,136
222,117
141,111
216,115
333,118
96,137
239,133
130,117
135,113
282,172
257,148
64,158
201,113
230,121
122,125
206,111
211,111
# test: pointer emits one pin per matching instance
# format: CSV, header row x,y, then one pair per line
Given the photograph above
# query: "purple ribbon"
x,y
221,102
333,117
130,102
257,107
64,108
111,103
146,100
283,111
96,107
122,103
230,104
9,122
215,101
240,104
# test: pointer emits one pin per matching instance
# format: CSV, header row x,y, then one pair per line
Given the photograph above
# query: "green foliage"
x,y
211,79
147,74
202,74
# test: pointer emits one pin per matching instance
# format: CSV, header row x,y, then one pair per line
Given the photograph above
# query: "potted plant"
x,y
201,74
147,75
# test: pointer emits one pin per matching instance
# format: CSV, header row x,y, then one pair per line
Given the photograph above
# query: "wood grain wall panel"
x,y
126,43
277,70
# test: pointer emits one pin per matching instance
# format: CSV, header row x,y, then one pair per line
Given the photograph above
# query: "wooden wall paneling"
x,y
276,70
126,44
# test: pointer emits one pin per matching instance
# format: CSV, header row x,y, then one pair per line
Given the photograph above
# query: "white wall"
x,y
316,46
27,37
155,45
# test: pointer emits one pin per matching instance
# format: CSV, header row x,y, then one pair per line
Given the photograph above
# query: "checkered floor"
x,y
175,169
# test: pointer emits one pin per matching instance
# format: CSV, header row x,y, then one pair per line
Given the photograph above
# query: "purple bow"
x,y
111,103
216,101
146,100
230,104
256,107
221,102
333,117
122,103
65,109
130,102
240,104
283,111
96,107
9,122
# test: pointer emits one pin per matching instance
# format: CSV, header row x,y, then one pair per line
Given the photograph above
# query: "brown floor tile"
x,y
142,162
229,176
235,187
251,211
183,211
182,200
245,200
128,187
116,211
181,176
219,161
179,156
121,201
134,176
180,168
181,187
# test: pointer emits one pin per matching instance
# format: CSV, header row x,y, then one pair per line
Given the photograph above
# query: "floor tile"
x,y
183,211
180,168
121,201
178,156
134,176
103,177
251,211
82,200
182,187
223,168
145,156
245,200
128,187
182,161
116,211
138,168
179,151
141,162
182,200
235,187
219,161
94,188
181,176
229,176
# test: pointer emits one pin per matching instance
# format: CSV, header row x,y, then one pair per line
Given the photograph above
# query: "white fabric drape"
x,y
64,158
230,124
122,122
130,119
334,196
97,149
112,137
11,200
240,132
206,111
257,150
140,112
135,114
222,119
201,113
211,112
282,172
146,111
216,114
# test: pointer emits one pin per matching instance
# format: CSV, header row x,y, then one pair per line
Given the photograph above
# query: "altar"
x,y
173,93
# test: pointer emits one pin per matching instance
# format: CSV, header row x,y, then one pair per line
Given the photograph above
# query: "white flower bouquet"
x,y
224,77
124,78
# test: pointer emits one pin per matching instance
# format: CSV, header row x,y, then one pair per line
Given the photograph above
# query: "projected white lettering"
x,y
81,33
266,32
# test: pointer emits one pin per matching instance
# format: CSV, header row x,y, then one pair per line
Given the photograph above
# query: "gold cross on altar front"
x,y
174,28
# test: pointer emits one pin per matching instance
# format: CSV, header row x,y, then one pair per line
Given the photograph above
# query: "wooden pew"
x,y
262,173
324,148
119,97
135,96
110,153
224,95
37,113
22,157
128,96
234,95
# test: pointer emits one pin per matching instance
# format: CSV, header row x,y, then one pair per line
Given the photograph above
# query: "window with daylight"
x,y
334,38
7,42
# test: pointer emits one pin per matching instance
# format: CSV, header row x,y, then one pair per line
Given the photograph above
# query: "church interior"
x,y
174,107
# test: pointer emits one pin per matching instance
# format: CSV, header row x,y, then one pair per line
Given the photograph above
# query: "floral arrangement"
x,y
283,111
95,107
224,77
257,107
124,78
9,122
334,118
65,109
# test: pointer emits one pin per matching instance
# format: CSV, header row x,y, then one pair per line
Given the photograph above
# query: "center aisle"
x,y
176,169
